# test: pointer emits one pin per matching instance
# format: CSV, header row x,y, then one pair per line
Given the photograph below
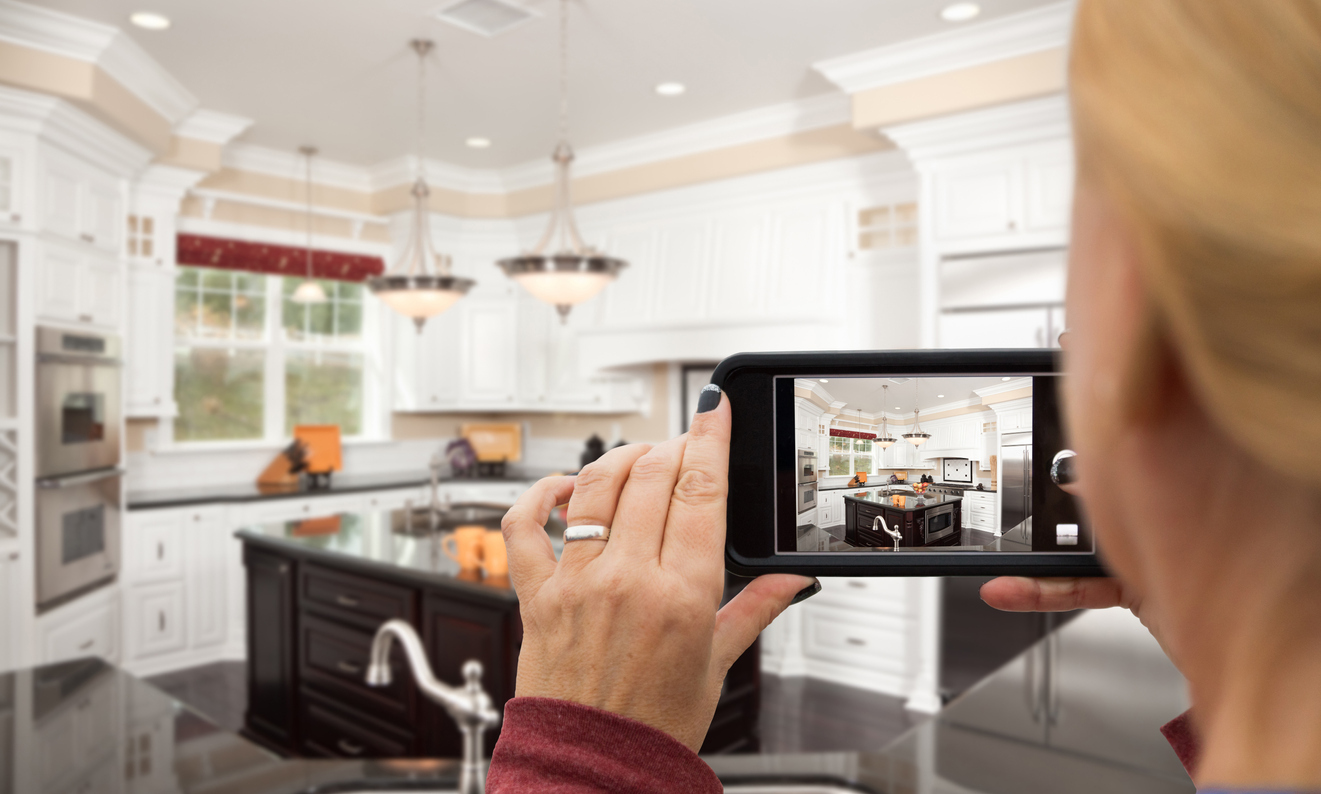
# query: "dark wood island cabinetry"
x,y
920,520
314,602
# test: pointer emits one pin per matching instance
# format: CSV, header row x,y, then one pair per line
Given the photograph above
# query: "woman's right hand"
x,y
1024,594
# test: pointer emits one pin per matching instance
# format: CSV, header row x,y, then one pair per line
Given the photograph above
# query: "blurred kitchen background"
x,y
343,278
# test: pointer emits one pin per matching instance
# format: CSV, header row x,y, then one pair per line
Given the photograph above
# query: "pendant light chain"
x,y
309,151
564,71
422,48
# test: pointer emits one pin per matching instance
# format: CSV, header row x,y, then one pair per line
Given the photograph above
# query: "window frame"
x,y
276,346
853,456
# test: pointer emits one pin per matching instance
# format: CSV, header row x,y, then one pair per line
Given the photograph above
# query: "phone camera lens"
x,y
1063,469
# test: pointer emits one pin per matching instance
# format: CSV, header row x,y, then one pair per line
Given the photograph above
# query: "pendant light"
x,y
574,271
917,438
420,284
885,440
309,291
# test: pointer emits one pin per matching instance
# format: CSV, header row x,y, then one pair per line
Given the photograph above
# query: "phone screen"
x,y
936,465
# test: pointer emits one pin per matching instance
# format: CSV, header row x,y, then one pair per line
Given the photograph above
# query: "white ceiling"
x,y
338,74
865,394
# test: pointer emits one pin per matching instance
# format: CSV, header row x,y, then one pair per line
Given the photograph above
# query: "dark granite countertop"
x,y
134,739
339,484
860,487
389,543
906,502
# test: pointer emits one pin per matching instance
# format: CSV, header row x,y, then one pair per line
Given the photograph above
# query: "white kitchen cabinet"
x,y
293,509
980,510
1012,197
13,186
1015,420
81,202
10,621
154,619
78,286
153,548
148,344
206,601
396,499
88,626
488,360
1035,327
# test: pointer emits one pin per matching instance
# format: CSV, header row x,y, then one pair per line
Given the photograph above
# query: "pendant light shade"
x,y
574,272
917,438
885,440
420,285
309,291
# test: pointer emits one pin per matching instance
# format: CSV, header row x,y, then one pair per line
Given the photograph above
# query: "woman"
x,y
1195,353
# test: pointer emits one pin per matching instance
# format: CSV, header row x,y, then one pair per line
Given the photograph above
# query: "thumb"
x,y
740,621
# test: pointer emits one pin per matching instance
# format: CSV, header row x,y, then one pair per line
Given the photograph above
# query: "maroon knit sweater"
x,y
552,746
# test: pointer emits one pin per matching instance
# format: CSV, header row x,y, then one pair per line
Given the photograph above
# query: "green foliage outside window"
x,y
219,393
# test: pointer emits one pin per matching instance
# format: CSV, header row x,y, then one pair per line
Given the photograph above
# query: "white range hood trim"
x,y
970,454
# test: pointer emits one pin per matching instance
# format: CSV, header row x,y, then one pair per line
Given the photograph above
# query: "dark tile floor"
x,y
797,714
814,538
218,691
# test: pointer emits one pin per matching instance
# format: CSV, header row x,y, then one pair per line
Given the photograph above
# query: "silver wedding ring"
x,y
586,532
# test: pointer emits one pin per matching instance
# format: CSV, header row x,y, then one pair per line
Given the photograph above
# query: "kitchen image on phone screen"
x,y
927,464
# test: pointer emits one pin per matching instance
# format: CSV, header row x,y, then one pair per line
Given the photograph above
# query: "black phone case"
x,y
747,379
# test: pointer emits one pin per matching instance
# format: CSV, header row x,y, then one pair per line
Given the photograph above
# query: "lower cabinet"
x,y
88,626
272,676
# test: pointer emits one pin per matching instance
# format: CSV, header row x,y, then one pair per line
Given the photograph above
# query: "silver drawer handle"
x,y
349,748
349,667
855,641
346,601
857,584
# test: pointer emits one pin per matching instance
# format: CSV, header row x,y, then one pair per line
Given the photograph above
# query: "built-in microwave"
x,y
78,402
78,528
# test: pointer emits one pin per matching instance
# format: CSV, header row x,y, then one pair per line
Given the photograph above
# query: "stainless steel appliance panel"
x,y
806,466
939,523
78,402
806,497
78,527
1015,480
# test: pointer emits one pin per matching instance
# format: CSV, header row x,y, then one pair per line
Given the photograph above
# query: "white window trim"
x,y
375,384
853,455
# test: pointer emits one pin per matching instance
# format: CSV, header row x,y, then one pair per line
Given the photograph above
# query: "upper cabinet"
x,y
81,202
1018,197
77,285
13,186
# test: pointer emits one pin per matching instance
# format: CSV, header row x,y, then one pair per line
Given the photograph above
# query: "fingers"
x,y
531,555
645,502
747,614
595,499
695,528
1022,594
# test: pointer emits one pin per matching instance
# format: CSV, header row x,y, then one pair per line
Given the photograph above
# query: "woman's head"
x,y
1195,274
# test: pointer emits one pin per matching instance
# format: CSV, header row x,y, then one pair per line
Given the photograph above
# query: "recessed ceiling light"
x,y
1006,379
149,20
478,143
897,408
940,396
671,89
823,380
960,12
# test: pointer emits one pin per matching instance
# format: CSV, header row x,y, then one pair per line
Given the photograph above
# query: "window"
x,y
250,363
850,455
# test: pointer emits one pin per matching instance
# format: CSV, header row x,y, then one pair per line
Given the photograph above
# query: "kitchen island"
x,y
917,520
86,725
317,590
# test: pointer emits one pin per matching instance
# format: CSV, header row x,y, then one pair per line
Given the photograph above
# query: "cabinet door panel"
x,y
271,638
155,545
628,298
801,254
60,203
455,632
1020,328
736,290
976,200
99,295
207,607
103,214
58,284
149,363
155,615
1049,193
488,365
683,259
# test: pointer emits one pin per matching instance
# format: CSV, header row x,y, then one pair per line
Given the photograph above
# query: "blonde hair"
x,y
1201,120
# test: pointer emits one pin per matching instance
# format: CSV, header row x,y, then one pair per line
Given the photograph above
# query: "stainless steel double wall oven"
x,y
78,406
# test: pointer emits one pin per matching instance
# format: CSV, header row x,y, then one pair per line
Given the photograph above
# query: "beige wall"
x,y
1009,80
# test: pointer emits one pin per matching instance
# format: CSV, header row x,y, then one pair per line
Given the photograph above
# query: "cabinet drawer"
x,y
395,500
90,632
839,636
332,731
154,546
883,595
334,657
155,616
981,522
310,507
355,599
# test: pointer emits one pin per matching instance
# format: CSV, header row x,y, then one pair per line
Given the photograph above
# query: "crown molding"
x,y
1018,34
102,45
1011,124
166,182
292,165
212,126
188,224
403,170
60,124
1001,388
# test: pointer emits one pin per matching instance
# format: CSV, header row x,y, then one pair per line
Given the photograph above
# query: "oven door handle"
x,y
79,479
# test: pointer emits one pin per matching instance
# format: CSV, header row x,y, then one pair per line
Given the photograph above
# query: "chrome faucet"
x,y
468,705
879,523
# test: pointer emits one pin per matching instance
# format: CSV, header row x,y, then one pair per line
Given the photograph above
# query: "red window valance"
x,y
276,260
835,431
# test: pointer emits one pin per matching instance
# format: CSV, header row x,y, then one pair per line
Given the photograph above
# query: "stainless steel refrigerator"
x,y
1015,483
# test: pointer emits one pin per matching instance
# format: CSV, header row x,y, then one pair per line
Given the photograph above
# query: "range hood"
x,y
971,453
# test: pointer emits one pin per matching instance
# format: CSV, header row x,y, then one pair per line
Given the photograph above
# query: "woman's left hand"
x,y
633,625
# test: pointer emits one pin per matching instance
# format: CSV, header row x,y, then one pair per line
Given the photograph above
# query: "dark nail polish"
x,y
807,592
709,398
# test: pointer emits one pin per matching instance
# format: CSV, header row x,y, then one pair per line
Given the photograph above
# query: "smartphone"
x,y
900,463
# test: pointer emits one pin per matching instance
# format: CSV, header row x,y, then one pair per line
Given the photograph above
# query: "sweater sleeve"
x,y
552,746
1182,736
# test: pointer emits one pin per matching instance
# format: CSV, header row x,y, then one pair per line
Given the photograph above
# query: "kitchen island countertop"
x,y
906,502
